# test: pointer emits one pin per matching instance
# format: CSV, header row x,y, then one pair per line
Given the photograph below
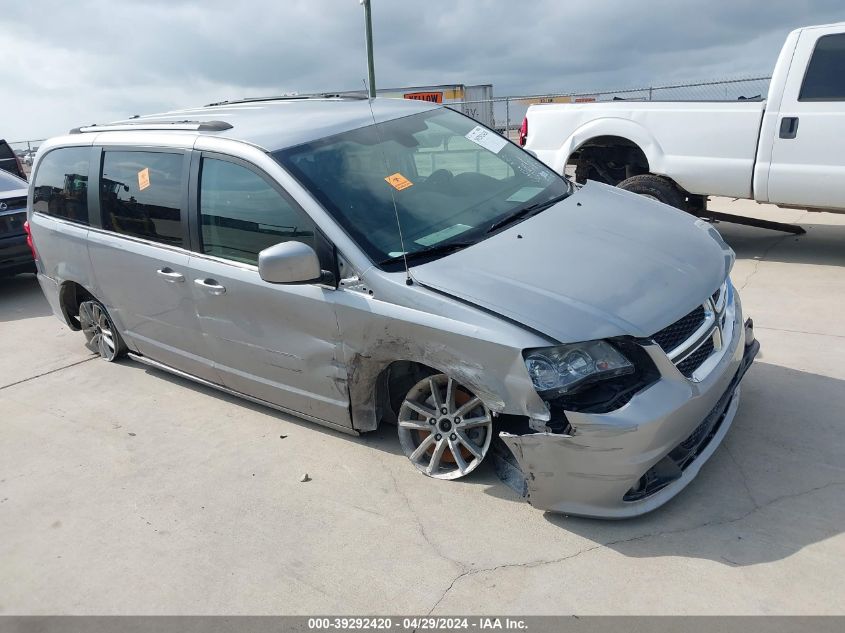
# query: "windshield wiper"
x,y
437,249
531,209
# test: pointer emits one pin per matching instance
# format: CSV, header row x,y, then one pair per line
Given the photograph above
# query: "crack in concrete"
x,y
527,565
47,373
420,527
780,329
641,537
761,259
743,477
777,242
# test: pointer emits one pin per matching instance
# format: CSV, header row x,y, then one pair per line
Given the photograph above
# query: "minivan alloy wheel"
x,y
100,334
445,429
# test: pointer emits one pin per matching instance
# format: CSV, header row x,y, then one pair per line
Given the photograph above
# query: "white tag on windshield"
x,y
445,234
487,139
526,193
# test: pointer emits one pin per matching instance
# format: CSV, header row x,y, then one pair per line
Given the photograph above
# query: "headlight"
x,y
561,370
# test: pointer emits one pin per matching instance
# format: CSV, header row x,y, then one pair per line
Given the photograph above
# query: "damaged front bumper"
x,y
632,460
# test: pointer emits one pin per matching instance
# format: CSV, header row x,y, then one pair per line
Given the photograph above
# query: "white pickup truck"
x,y
788,149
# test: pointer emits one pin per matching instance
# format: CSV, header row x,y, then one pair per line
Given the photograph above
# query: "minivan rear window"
x,y
141,195
61,184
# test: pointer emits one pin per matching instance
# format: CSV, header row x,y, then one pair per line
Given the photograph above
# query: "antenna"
x,y
408,280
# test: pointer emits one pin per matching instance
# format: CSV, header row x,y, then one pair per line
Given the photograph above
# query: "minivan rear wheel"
x,y
444,428
101,337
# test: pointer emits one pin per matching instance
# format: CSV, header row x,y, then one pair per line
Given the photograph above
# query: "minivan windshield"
x,y
453,182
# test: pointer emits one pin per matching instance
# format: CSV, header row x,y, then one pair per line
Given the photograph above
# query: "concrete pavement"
x,y
124,490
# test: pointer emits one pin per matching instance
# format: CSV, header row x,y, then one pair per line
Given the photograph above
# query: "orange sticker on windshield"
x,y
398,181
144,178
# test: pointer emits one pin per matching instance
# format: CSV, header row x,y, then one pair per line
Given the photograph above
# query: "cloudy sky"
x,y
71,63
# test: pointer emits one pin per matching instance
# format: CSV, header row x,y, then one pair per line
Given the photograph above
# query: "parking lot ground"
x,y
124,490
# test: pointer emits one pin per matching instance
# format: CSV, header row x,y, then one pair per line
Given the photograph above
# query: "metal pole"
x,y
507,117
371,71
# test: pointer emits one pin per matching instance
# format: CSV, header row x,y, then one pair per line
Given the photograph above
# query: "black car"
x,y
15,255
9,161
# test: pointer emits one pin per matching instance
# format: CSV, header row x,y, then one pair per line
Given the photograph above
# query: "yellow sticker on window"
x,y
398,181
144,178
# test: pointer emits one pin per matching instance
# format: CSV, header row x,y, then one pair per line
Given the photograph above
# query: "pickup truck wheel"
x,y
657,188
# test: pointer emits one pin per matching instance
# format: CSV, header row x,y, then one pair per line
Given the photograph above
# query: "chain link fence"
x,y
505,114
25,151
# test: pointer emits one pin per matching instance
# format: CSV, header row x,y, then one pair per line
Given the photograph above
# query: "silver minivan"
x,y
355,262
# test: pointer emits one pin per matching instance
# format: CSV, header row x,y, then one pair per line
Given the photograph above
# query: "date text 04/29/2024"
x,y
420,623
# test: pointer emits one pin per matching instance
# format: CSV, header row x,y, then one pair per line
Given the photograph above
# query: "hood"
x,y
603,262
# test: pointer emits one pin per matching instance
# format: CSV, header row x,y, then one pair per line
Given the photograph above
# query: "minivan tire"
x,y
656,187
445,430
101,336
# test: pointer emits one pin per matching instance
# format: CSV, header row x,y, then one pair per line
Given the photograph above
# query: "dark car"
x,y
15,255
9,161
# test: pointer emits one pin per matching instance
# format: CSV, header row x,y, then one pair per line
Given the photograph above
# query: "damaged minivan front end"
x,y
633,459
644,382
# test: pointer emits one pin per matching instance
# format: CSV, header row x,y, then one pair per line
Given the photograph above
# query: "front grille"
x,y
673,335
691,340
696,437
685,453
692,362
12,224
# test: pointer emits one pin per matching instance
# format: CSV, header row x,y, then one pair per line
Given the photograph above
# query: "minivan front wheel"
x,y
444,428
101,336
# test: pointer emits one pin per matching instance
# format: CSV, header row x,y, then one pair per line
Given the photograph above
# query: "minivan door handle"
x,y
211,286
788,127
170,275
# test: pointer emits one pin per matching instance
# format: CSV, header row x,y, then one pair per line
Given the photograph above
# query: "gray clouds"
x,y
68,63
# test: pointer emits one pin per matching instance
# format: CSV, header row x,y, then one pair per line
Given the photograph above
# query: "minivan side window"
x,y
61,184
141,195
825,78
242,214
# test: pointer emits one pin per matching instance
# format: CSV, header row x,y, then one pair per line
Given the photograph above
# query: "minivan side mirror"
x,y
289,263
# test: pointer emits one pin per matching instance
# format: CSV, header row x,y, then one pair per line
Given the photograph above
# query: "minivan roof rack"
x,y
316,95
153,124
